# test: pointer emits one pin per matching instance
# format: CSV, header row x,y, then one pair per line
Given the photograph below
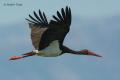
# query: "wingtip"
x,y
34,12
26,19
66,6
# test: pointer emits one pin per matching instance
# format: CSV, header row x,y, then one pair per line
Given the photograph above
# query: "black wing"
x,y
58,28
38,26
40,20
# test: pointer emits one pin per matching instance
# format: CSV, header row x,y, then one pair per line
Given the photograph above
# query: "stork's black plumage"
x,y
56,29
47,37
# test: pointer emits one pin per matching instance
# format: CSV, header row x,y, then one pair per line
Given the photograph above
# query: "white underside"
x,y
51,51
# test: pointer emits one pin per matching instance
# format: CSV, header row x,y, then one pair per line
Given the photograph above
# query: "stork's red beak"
x,y
87,52
15,57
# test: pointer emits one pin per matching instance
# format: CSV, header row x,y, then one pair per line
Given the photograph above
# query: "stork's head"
x,y
87,52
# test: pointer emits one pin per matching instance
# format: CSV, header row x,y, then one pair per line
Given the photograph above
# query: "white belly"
x,y
51,51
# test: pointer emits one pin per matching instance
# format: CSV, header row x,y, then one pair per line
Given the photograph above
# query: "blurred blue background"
x,y
95,26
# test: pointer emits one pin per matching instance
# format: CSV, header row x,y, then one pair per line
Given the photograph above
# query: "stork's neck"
x,y
82,52
68,50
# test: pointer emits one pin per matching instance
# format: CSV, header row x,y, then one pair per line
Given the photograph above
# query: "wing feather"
x,y
58,28
36,34
32,22
37,17
45,19
59,15
41,16
63,13
34,19
38,26
56,18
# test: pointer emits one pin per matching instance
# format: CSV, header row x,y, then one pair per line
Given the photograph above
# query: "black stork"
x,y
48,37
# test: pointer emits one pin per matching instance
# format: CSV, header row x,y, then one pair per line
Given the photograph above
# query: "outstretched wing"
x,y
38,26
58,28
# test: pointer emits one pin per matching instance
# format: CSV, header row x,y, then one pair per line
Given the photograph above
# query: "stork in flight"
x,y
48,37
